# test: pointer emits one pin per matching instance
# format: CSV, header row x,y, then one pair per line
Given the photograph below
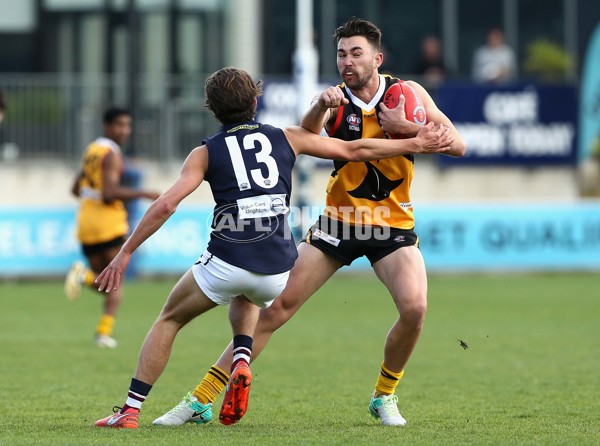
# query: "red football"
x,y
413,105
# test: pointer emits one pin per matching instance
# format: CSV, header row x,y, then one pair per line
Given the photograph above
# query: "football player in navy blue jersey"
x,y
246,264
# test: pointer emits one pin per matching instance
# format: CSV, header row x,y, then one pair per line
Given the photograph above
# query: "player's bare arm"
x,y
112,166
191,176
393,120
76,187
428,140
323,109
434,114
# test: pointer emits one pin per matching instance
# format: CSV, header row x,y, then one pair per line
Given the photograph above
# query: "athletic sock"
x,y
211,385
88,278
138,391
387,381
242,350
105,325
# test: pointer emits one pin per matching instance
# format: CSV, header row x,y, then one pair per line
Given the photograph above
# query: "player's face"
x,y
119,130
357,61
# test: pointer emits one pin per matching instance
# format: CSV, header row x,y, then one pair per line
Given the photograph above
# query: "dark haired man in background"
x,y
102,218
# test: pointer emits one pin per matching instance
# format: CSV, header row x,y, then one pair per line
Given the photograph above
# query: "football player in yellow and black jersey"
x,y
375,195
102,217
381,191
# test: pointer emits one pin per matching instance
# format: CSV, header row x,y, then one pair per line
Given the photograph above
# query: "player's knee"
x,y
173,317
413,314
274,317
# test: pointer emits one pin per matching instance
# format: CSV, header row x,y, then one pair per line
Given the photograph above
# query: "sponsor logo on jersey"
x,y
262,206
353,119
278,205
90,194
326,237
353,122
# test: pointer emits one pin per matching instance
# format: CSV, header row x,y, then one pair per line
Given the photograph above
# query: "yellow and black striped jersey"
x,y
374,192
98,221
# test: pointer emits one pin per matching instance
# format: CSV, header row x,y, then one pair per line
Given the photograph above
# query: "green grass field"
x,y
531,373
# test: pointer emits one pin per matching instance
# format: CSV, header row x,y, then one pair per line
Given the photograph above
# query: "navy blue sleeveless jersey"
x,y
250,175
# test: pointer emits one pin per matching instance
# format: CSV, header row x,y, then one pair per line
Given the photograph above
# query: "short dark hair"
x,y
2,103
229,95
111,114
359,27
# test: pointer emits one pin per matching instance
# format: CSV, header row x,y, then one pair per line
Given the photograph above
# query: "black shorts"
x,y
346,242
89,250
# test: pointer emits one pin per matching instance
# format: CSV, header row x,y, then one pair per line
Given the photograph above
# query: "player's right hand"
x,y
110,279
333,97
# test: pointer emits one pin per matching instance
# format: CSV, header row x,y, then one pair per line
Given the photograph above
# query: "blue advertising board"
x,y
512,125
178,243
510,237
37,242
495,237
42,242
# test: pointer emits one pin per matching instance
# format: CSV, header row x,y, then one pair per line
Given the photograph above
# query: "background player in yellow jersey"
x,y
377,187
102,217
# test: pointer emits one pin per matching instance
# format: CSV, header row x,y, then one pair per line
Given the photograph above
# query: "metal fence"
x,y
54,116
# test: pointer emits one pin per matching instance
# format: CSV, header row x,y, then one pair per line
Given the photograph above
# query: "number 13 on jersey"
x,y
263,156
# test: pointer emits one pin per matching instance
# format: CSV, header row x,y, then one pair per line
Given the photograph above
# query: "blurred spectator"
x,y
2,107
494,62
431,62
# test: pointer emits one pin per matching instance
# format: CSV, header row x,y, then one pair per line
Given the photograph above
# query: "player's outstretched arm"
x,y
112,166
191,176
428,140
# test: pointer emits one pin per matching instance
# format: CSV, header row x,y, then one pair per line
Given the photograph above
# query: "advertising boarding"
x,y
512,125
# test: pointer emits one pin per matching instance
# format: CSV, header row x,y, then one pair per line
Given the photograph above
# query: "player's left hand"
x,y
110,279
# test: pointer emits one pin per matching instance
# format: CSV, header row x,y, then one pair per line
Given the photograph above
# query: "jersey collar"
x,y
371,105
107,142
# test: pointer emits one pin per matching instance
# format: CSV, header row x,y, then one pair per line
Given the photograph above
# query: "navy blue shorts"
x,y
346,242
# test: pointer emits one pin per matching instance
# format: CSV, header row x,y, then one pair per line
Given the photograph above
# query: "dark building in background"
x,y
194,36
